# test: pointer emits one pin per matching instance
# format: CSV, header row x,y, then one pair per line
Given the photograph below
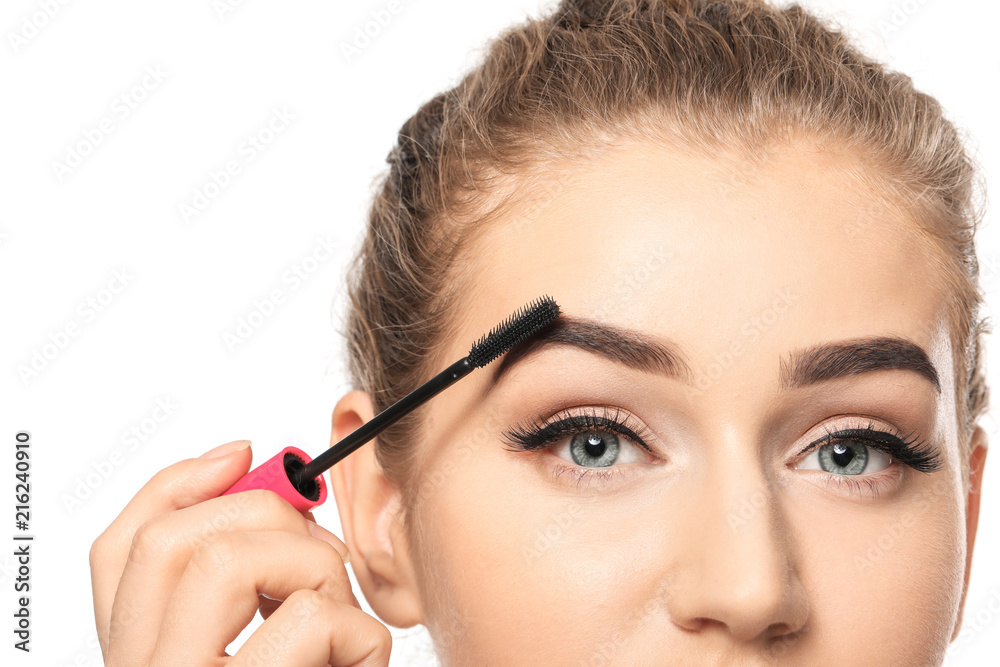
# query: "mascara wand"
x,y
298,479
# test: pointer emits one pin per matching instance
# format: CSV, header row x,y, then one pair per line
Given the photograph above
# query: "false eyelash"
x,y
544,432
920,456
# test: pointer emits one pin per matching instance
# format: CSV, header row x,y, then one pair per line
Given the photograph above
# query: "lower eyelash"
x,y
873,484
590,475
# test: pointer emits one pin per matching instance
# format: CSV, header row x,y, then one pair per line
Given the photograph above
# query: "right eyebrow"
x,y
859,355
629,348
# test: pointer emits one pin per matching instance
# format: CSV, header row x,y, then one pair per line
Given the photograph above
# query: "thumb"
x,y
190,482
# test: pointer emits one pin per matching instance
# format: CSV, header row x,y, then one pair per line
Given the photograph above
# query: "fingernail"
x,y
227,448
322,533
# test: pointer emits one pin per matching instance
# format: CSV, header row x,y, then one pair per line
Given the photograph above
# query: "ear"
x,y
977,460
368,505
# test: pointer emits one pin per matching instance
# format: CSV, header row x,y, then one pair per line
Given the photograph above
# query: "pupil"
x,y
595,445
842,455
594,449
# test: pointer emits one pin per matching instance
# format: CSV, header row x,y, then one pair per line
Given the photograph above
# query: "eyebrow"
x,y
801,368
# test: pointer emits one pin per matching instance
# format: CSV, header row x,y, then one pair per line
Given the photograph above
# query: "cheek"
x,y
891,573
522,575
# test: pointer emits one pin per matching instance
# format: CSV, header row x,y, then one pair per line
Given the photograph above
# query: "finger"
x,y
163,546
311,628
268,605
216,597
180,485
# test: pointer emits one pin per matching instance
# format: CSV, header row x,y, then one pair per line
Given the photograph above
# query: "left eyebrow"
x,y
860,355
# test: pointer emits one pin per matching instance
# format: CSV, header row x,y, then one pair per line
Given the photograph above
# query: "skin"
x,y
719,548
181,571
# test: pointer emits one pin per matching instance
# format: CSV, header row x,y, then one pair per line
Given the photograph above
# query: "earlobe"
x,y
977,460
369,507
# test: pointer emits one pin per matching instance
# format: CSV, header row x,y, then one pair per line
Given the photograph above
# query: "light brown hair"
x,y
704,75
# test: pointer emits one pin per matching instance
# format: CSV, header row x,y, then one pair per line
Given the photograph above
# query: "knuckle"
x,y
217,557
169,479
98,550
335,572
150,541
381,644
306,603
384,638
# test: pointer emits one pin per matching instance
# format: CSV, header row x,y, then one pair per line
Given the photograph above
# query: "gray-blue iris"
x,y
594,449
845,457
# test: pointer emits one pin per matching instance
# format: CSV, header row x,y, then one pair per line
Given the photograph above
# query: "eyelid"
x,y
545,432
906,449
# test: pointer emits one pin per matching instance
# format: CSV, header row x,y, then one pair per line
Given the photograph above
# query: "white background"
x,y
62,237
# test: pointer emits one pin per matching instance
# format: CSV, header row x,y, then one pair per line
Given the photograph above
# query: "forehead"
x,y
702,249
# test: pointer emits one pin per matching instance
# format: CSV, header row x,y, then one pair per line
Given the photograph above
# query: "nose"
x,y
735,569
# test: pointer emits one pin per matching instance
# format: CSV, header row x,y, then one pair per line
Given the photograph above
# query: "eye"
x,y
854,451
596,449
597,444
846,457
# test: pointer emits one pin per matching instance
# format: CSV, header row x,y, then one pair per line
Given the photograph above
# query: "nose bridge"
x,y
736,566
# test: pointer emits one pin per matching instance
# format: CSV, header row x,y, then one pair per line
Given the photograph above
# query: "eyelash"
x,y
543,433
919,456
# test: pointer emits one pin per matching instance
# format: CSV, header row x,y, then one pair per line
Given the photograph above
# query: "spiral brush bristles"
x,y
526,322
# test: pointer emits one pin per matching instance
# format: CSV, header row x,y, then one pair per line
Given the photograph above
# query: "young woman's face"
x,y
750,314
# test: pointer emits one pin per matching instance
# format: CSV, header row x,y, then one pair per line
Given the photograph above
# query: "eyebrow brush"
x,y
299,480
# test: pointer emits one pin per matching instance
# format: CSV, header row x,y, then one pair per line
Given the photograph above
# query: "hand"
x,y
182,570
